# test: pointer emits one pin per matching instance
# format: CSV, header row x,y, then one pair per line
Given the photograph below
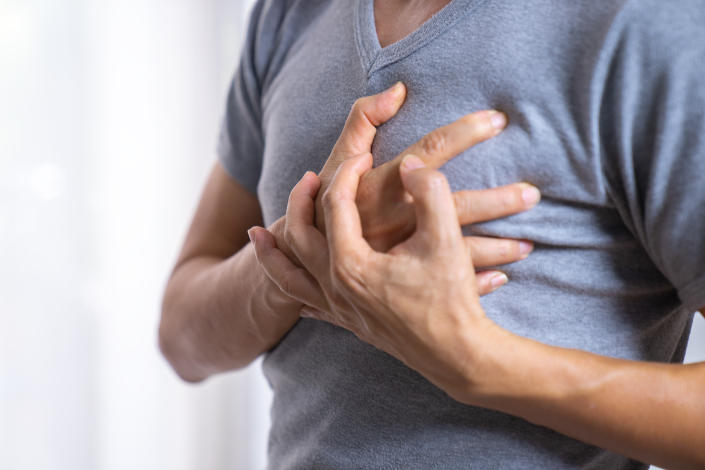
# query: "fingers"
x,y
307,243
366,114
300,208
490,281
488,204
343,227
292,280
444,143
486,251
433,201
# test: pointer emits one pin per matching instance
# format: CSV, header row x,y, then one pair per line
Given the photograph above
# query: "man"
x,y
605,108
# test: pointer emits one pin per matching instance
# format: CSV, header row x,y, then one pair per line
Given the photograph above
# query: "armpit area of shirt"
x,y
693,294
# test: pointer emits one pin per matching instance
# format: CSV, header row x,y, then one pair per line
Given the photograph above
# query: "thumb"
x,y
366,114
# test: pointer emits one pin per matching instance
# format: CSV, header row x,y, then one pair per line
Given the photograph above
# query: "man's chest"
x,y
547,142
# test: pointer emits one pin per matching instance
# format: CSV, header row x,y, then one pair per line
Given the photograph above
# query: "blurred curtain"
x,y
109,111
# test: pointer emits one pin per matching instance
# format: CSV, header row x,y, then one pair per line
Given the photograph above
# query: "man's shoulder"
x,y
680,23
279,23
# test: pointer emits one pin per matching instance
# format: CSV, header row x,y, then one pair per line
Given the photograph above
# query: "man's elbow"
x,y
172,346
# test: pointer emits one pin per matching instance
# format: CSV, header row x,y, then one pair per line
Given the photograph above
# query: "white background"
x,y
109,111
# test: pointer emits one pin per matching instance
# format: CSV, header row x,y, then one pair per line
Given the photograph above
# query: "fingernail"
x,y
498,120
530,194
412,162
525,248
498,281
396,88
250,233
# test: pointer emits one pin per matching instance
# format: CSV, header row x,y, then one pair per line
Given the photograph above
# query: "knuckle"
x,y
503,200
359,106
473,120
479,125
504,249
332,198
506,202
290,234
345,270
285,283
289,237
462,203
328,199
434,181
510,249
365,190
483,285
435,142
514,200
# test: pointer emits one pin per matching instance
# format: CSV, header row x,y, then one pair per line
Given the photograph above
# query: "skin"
x,y
221,311
417,303
585,396
396,19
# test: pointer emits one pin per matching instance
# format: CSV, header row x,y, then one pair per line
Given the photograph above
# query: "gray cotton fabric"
x,y
606,102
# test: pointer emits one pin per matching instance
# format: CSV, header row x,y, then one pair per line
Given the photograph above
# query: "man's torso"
x,y
340,403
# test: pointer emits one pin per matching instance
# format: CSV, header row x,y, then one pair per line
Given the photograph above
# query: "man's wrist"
x,y
482,339
511,373
501,368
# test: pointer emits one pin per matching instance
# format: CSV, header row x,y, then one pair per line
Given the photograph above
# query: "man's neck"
x,y
396,19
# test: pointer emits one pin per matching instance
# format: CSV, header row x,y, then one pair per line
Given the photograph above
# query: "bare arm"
x,y
218,311
430,319
649,411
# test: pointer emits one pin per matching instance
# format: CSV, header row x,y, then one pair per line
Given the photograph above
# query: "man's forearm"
x,y
651,412
219,315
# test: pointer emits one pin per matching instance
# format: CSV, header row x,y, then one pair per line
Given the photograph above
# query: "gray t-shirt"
x,y
606,102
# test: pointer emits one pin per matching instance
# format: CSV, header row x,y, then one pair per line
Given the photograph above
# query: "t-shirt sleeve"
x,y
241,140
652,122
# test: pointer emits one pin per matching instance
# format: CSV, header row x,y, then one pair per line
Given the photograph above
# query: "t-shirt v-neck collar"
x,y
375,57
